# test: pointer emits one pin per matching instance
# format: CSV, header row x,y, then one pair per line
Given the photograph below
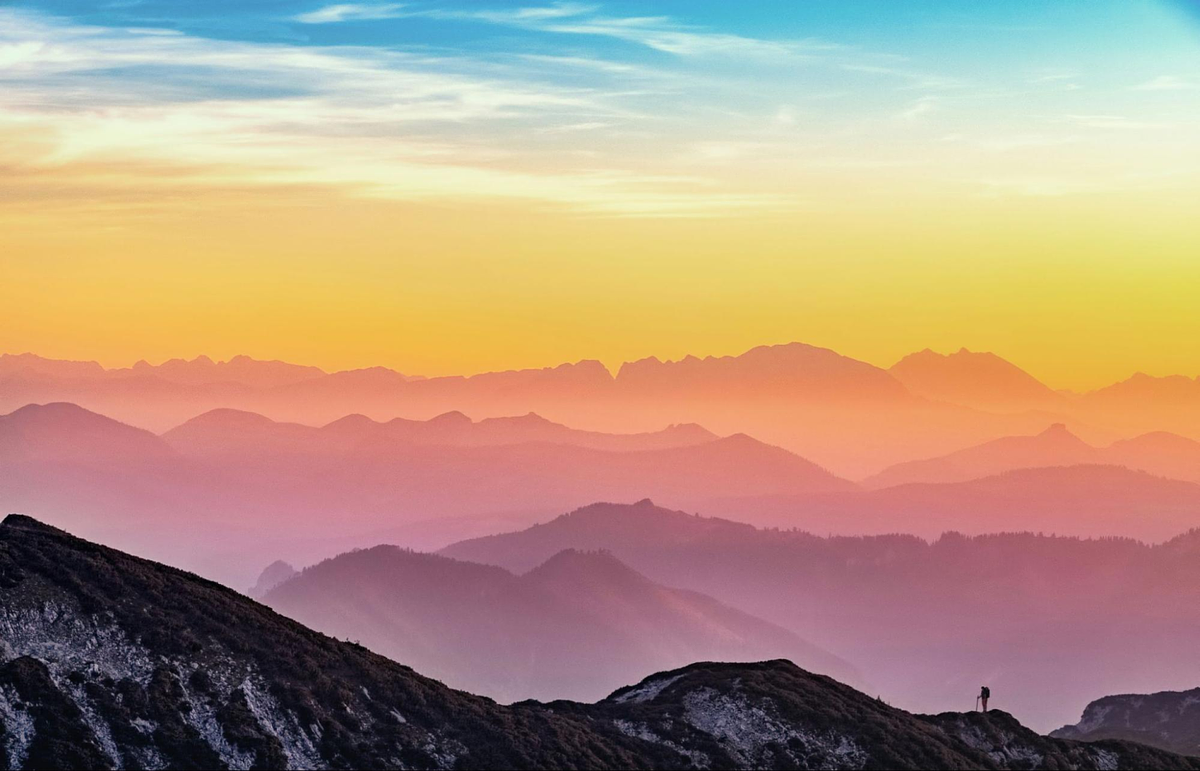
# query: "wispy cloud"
x,y
1119,122
604,114
1167,83
332,14
661,33
353,119
919,108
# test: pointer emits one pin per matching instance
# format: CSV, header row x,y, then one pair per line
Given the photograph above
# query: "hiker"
x,y
984,694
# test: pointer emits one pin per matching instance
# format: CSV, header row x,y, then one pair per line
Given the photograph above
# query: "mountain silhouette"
x,y
980,380
240,369
577,626
921,618
228,431
1160,453
1056,446
451,476
115,661
847,415
792,368
272,576
64,432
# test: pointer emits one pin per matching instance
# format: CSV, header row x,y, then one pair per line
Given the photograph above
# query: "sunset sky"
x,y
446,187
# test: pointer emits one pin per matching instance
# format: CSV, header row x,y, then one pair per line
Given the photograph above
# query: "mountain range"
x,y
442,479
578,626
112,661
426,484
847,415
1086,500
1159,453
1048,621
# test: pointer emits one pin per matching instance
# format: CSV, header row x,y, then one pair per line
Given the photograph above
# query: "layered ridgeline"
x,y
113,661
846,415
576,627
1050,620
184,497
1168,719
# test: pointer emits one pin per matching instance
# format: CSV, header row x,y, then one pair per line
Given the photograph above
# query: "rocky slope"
x,y
113,661
1168,719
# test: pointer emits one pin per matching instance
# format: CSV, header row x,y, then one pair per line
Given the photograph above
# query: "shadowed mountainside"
x,y
1169,720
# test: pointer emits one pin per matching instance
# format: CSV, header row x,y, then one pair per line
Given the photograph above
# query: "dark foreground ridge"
x,y
107,660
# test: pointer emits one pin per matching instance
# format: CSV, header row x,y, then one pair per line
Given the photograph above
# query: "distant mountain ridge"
x,y
225,429
921,618
201,370
117,483
1161,453
577,626
973,379
65,432
846,414
112,661
1084,500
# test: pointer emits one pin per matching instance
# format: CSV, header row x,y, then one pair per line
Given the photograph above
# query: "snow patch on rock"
x,y
749,732
18,724
300,750
647,690
642,731
1106,761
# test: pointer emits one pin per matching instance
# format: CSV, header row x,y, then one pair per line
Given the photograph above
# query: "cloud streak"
x,y
333,14
353,119
606,114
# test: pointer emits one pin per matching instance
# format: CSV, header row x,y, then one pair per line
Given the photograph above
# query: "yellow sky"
x,y
645,187
1078,291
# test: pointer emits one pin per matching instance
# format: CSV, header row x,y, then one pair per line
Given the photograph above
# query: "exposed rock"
x,y
113,661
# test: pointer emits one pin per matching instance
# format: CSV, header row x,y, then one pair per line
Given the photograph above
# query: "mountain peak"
x,y
451,418
273,575
63,431
228,416
26,523
595,568
972,379
765,368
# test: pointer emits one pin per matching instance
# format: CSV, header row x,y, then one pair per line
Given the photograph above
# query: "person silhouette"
x,y
984,694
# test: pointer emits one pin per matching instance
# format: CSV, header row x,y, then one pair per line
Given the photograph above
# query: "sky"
x,y
455,187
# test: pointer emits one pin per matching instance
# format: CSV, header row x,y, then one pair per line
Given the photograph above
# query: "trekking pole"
x,y
976,703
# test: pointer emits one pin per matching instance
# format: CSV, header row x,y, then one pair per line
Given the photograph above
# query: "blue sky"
x,y
674,108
